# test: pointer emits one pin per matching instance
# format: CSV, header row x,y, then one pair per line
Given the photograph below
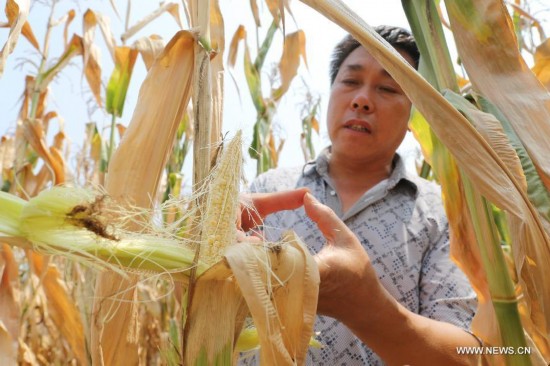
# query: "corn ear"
x,y
219,228
74,222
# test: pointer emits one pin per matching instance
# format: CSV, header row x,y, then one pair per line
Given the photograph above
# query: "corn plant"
x,y
192,248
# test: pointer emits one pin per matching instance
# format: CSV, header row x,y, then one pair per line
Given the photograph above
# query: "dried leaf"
x,y
46,120
10,307
104,24
134,174
8,347
505,80
66,19
217,39
26,31
59,141
92,69
149,48
284,329
7,153
174,10
34,133
17,11
120,79
91,55
295,46
61,307
256,13
89,24
121,129
239,35
164,7
542,63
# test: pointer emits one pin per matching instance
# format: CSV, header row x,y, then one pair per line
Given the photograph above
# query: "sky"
x,y
71,98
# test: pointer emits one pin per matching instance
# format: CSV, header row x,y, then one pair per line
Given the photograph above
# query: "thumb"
x,y
333,229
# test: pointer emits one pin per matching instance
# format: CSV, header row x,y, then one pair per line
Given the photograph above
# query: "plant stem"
x,y
500,282
37,85
111,139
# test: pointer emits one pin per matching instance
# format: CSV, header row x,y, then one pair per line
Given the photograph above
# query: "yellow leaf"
x,y
34,133
505,80
10,307
542,63
170,7
91,56
7,153
26,31
314,124
61,307
256,13
295,46
239,35
70,16
217,39
17,11
8,347
121,129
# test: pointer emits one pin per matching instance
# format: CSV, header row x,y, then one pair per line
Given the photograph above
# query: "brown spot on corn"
x,y
89,216
218,227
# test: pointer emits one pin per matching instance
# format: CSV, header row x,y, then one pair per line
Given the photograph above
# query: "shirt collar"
x,y
399,172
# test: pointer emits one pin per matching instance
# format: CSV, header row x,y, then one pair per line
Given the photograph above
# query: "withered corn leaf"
x,y
133,176
171,7
217,40
255,13
284,327
61,307
499,73
239,35
10,307
16,12
294,48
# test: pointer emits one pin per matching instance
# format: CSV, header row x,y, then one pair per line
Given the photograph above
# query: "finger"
x,y
263,204
333,229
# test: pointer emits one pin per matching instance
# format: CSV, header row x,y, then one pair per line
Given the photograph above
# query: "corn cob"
x,y
218,226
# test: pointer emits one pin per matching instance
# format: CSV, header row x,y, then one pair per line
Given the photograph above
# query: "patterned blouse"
x,y
402,225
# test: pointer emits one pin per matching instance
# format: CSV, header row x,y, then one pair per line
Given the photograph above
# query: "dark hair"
x,y
400,38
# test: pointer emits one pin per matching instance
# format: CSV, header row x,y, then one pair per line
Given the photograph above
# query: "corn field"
x,y
110,255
